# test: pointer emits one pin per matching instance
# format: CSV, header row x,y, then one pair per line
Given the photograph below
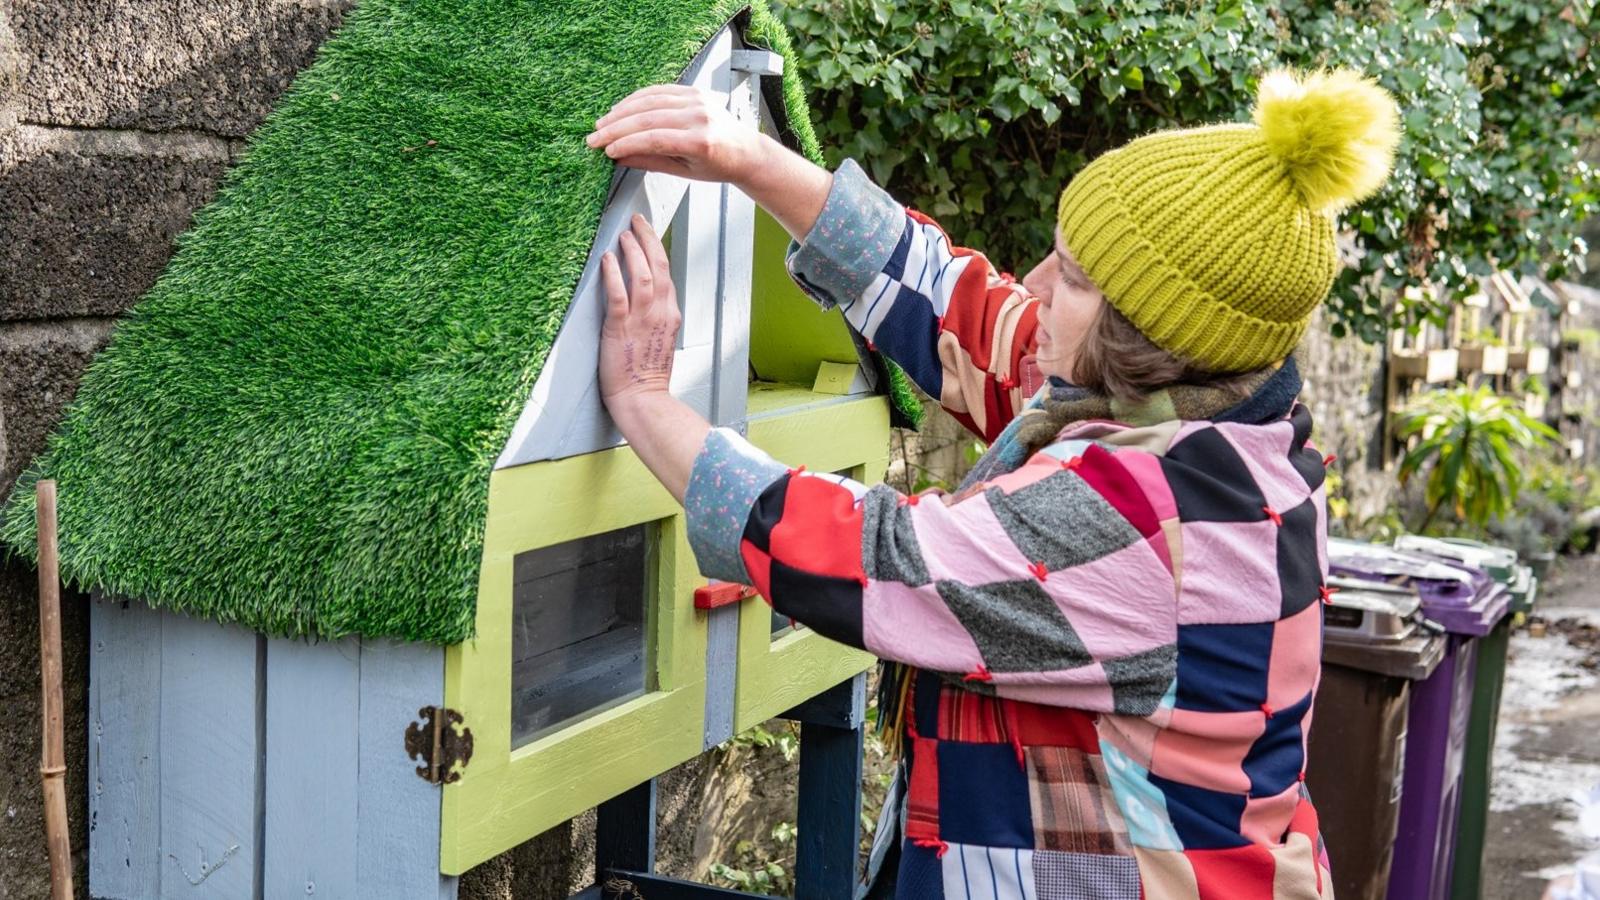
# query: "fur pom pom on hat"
x,y
1218,242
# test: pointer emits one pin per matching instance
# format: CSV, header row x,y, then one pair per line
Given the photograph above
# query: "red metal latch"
x,y
721,593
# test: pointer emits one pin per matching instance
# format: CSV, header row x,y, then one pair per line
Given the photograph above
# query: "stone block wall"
x,y
1344,391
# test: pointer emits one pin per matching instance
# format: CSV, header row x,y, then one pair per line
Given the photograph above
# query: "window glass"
x,y
578,629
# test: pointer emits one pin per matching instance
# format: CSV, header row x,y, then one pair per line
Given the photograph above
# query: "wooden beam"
x,y
829,821
625,830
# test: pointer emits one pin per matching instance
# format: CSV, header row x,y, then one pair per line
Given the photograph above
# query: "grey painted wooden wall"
x,y
224,764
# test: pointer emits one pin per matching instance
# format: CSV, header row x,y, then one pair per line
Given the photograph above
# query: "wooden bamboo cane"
x,y
53,764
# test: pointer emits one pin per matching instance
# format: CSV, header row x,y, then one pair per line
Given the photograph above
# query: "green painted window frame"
x,y
507,795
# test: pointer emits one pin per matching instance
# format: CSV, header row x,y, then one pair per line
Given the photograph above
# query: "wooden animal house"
x,y
379,592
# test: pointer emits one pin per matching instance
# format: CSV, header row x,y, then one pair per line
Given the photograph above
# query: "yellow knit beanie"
x,y
1218,242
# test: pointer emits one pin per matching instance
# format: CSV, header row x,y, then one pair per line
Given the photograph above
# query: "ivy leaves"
x,y
979,111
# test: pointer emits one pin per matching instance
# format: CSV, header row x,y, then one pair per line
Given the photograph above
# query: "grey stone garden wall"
x,y
117,120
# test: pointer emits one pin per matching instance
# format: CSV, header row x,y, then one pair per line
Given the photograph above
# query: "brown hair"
x,y
1116,360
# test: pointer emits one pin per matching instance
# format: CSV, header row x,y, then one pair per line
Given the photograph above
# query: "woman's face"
x,y
1068,304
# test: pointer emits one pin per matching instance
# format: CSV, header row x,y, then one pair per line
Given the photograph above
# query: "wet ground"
x,y
1549,741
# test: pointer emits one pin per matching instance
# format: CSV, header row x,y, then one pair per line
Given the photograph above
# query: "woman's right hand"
x,y
680,130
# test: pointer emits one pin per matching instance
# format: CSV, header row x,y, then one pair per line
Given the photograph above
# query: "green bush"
x,y
978,113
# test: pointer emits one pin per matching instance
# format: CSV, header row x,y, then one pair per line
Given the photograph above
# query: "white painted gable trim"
x,y
564,415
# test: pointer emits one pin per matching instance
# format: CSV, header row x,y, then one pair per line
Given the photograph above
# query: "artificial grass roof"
x,y
294,429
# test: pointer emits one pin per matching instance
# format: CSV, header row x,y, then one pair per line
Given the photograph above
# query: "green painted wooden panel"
x,y
789,333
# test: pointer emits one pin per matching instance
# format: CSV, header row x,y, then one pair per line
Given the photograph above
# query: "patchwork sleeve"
x,y
963,330
1053,584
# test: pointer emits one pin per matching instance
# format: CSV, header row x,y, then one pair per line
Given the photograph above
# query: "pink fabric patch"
x,y
1230,573
1119,604
1296,658
966,543
1146,469
1265,450
1188,429
1082,688
1135,737
1321,497
1207,749
913,625
1036,469
1158,545
1266,819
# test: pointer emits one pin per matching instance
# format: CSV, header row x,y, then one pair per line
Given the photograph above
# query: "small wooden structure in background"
x,y
1491,338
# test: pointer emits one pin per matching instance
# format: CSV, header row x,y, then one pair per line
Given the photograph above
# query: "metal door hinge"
x,y
439,745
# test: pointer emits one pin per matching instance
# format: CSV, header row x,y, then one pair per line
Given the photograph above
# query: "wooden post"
x,y
827,852
53,764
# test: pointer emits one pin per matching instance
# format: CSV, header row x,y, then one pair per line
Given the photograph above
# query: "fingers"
x,y
641,286
659,142
655,251
655,96
679,118
616,293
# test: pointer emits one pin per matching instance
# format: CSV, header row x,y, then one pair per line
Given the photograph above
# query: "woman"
x,y
1113,627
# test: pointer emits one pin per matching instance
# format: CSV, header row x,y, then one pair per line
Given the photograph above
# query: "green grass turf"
x,y
294,429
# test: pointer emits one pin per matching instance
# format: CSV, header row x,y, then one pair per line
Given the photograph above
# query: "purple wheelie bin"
x,y
1467,604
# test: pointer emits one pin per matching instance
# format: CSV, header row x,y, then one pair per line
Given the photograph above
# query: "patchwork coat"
x,y
1127,622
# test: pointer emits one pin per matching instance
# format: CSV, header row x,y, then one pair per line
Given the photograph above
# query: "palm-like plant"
x,y
1468,441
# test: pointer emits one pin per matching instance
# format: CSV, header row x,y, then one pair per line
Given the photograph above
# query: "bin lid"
x,y
1524,587
1370,611
1414,657
1499,562
1463,599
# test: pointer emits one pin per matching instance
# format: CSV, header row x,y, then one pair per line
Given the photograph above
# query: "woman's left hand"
x,y
642,321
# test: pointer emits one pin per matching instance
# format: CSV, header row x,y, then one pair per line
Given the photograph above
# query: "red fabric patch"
x,y
1120,489
981,719
1238,873
1053,726
1305,820
820,531
759,565
922,793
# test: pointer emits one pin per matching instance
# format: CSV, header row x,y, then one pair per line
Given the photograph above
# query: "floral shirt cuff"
x,y
728,477
852,240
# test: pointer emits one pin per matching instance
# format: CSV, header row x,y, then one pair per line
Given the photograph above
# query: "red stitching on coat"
x,y
1273,515
982,674
1270,712
1039,571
